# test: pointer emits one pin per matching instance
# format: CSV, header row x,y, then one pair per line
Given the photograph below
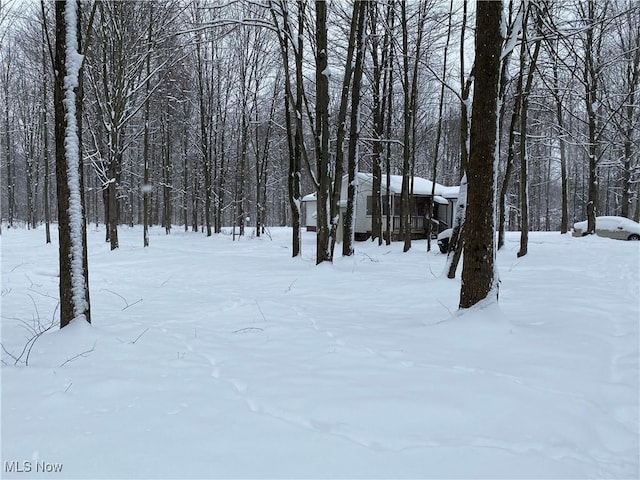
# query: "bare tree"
x,y
45,132
457,238
360,12
410,93
322,133
627,121
292,106
380,54
524,108
436,152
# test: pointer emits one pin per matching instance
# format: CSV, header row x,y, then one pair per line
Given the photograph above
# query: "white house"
x,y
444,203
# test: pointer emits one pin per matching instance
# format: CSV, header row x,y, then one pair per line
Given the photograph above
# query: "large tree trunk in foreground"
x,y
74,285
479,278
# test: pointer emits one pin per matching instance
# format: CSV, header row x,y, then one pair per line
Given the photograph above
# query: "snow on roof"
x,y
309,198
421,186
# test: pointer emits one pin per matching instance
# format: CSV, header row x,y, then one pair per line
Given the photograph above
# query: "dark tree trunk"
x,y
354,132
405,210
456,242
45,137
479,277
378,129
9,150
590,80
146,187
323,253
436,152
564,221
294,148
204,144
511,153
524,152
74,285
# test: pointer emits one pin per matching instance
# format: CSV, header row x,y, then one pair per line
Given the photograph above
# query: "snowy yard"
x,y
210,358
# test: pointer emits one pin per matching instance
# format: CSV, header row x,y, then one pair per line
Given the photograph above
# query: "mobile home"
x,y
443,203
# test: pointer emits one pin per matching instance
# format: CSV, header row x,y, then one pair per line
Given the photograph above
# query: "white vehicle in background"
x,y
620,228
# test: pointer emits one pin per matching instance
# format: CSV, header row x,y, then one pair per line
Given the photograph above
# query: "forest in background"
x,y
187,112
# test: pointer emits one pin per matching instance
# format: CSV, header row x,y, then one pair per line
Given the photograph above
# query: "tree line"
x,y
199,115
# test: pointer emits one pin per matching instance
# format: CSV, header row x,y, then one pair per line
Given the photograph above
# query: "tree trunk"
x,y
389,125
456,242
524,153
205,146
293,177
632,75
323,252
146,187
405,209
74,286
354,132
436,152
185,175
564,220
511,153
590,80
45,139
9,148
479,276
379,89
166,187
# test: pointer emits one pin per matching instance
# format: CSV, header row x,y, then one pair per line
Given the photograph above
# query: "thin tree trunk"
x,y
45,138
590,80
405,209
511,153
524,154
323,252
456,242
205,146
388,81
564,221
8,147
378,126
166,169
436,152
185,175
294,134
354,132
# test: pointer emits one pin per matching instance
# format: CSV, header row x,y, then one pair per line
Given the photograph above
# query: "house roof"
x,y
421,186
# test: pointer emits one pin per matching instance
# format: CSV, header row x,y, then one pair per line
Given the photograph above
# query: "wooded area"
x,y
208,114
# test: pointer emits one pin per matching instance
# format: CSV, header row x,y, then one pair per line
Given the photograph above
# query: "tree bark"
x,y
354,132
323,252
524,153
456,242
74,286
479,276
45,139
436,152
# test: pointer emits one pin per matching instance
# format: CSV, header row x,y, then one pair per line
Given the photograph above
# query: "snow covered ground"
x,y
209,358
